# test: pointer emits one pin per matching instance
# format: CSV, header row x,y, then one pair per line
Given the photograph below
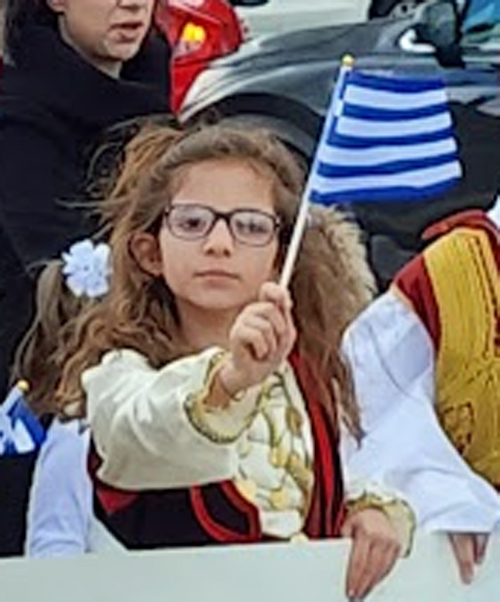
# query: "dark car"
x,y
284,83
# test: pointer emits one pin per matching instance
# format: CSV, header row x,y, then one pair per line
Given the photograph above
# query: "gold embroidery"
x,y
283,435
197,411
279,499
466,284
301,472
278,456
294,420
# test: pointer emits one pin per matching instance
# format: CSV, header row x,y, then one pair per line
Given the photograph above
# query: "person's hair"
x,y
330,285
35,359
22,13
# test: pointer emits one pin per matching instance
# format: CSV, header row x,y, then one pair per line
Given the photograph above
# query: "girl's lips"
x,y
216,274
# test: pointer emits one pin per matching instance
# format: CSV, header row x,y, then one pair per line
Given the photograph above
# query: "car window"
x,y
481,22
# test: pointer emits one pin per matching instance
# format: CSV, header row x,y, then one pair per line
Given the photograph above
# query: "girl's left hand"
x,y
375,549
469,550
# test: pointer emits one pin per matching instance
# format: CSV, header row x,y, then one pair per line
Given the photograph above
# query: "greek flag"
x,y
20,430
384,139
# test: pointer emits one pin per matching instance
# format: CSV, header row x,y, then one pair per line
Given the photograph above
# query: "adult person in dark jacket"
x,y
73,69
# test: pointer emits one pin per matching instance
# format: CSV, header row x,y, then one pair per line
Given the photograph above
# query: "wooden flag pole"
x,y
301,220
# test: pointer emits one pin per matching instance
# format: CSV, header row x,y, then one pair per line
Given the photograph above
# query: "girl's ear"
x,y
146,251
58,6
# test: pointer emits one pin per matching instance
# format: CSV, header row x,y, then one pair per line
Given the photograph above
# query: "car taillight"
x,y
198,31
191,40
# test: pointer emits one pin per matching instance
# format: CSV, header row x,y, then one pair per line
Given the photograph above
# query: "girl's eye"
x,y
192,224
252,226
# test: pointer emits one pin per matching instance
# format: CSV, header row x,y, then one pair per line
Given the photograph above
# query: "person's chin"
x,y
218,301
130,52
125,51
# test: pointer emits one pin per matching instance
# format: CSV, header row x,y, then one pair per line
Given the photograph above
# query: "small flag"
x,y
385,139
20,430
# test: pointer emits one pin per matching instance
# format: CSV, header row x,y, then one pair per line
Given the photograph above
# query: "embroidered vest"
x,y
462,312
217,513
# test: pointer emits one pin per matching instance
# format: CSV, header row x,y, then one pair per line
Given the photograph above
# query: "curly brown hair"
x,y
36,355
330,285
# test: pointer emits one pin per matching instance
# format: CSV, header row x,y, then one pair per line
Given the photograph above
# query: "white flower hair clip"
x,y
87,268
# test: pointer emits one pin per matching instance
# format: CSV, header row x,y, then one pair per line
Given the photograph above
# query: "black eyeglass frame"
x,y
226,216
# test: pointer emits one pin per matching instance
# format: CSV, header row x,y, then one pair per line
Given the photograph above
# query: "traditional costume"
x,y
169,471
426,363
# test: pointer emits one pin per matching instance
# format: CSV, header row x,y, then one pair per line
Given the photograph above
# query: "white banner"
x,y
312,572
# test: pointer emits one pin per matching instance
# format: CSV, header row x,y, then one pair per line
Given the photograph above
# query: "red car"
x,y
198,31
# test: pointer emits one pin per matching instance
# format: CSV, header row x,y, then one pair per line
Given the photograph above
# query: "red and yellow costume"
x,y
454,287
425,357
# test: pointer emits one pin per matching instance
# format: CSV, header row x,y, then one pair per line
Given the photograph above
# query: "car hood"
x,y
359,38
281,54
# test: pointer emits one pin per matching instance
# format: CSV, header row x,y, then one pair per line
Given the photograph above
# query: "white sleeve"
x,y
392,360
141,428
60,503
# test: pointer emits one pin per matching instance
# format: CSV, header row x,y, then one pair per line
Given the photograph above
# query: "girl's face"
x,y
105,32
211,257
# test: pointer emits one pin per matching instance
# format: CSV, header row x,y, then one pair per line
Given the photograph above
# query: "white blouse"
x,y
60,503
60,519
392,360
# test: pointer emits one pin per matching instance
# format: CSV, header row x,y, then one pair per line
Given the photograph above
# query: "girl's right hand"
x,y
469,550
260,339
375,550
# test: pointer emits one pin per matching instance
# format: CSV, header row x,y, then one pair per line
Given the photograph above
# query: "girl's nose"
x,y
219,240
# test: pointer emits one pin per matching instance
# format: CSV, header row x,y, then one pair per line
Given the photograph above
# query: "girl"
x,y
59,520
49,524
213,398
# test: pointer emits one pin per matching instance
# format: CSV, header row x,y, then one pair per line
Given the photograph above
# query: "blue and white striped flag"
x,y
20,430
384,139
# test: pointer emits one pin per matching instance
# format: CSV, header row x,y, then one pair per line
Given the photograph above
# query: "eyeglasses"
x,y
247,226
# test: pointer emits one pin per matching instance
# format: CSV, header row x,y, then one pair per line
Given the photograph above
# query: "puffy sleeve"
x,y
60,503
150,428
404,447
